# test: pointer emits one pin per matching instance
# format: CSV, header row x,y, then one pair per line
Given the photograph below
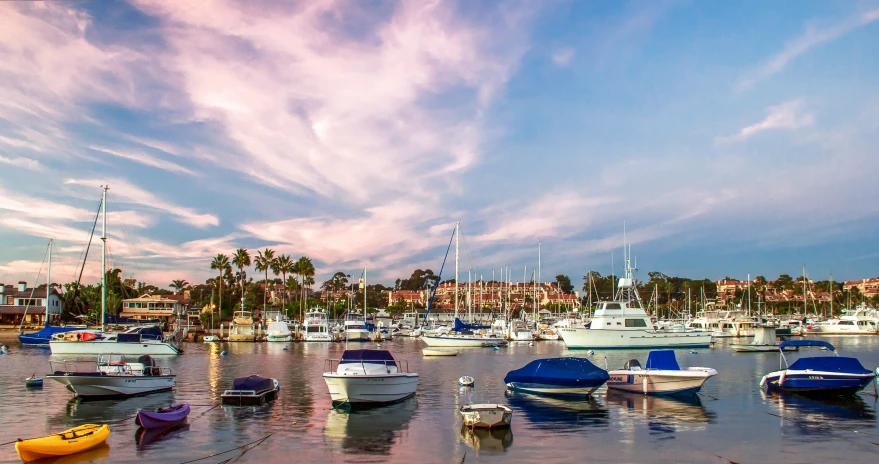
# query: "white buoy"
x,y
531,344
466,381
590,352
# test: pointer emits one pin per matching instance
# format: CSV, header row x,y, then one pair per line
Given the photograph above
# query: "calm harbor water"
x,y
733,420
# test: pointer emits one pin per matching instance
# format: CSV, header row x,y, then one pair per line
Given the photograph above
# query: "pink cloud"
x,y
788,115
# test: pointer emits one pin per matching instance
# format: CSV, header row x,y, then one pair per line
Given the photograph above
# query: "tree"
x,y
564,283
784,282
221,264
241,260
265,260
283,265
305,269
398,307
419,280
179,285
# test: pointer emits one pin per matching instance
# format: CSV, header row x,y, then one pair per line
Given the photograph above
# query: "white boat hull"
x,y
279,337
610,338
461,341
357,336
551,390
660,382
101,347
115,385
355,388
486,415
318,338
751,348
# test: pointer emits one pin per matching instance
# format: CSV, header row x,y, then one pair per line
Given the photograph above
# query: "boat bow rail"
x,y
390,366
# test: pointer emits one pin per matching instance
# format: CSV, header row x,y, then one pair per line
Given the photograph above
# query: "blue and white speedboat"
x,y
818,376
557,376
661,376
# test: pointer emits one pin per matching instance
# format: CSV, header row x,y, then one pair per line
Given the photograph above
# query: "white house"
x,y
20,301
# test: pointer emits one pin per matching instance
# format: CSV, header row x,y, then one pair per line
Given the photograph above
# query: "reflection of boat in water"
x,y
104,411
811,415
559,415
367,430
488,441
145,437
96,454
667,409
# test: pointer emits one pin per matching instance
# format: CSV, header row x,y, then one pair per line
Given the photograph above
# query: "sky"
x,y
724,138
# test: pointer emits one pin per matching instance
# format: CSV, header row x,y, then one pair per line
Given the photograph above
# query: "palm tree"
x,y
179,285
264,261
221,263
241,260
304,268
283,265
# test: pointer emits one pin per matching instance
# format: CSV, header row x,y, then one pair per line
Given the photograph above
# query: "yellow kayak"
x,y
61,444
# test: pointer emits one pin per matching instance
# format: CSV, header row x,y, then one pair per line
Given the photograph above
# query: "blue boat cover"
x,y
565,372
43,336
784,344
460,326
367,356
662,359
830,364
254,382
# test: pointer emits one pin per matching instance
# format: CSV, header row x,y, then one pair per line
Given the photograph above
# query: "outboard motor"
x,y
149,365
632,363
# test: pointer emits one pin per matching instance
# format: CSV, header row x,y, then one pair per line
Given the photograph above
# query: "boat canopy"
x,y
367,356
663,359
782,345
254,382
830,364
568,372
460,326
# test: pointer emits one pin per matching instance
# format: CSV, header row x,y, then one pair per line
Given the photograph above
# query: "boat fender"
x,y
781,379
223,353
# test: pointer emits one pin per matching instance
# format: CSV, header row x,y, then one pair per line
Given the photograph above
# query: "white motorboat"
x,y
661,376
466,381
113,377
135,341
278,331
623,323
243,328
764,340
316,327
520,332
355,328
734,324
853,322
486,415
210,338
429,352
463,340
369,376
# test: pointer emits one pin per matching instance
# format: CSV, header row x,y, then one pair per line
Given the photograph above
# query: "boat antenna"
x,y
439,277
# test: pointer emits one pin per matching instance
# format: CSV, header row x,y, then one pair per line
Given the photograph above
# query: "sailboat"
x,y
464,336
134,342
42,337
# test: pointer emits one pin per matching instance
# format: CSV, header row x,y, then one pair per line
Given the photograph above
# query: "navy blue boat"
x,y
557,376
818,376
42,337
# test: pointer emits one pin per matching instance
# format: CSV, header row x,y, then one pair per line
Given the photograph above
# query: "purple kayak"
x,y
163,417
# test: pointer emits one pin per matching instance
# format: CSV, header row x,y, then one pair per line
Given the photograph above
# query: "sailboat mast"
x,y
48,283
537,304
805,296
831,294
470,296
749,295
457,232
364,294
104,256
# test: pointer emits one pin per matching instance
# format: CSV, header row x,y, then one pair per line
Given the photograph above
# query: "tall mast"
x,y
469,296
805,296
536,304
364,294
749,295
104,256
831,294
48,283
457,232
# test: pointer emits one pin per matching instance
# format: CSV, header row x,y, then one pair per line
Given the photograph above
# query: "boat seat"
x,y
632,365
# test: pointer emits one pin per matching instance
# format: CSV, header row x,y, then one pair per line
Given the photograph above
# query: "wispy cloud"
x,y
21,162
125,192
563,57
144,158
811,38
788,115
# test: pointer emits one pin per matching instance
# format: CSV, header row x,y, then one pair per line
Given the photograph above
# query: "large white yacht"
x,y
355,328
858,321
623,323
242,329
316,327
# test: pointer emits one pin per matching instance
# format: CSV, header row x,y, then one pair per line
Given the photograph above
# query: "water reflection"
x,y
145,437
96,454
559,415
101,411
485,441
370,431
808,416
664,415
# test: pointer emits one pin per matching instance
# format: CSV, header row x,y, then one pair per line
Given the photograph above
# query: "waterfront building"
x,y
20,301
166,308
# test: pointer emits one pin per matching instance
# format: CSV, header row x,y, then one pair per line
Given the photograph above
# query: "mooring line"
x,y
257,442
